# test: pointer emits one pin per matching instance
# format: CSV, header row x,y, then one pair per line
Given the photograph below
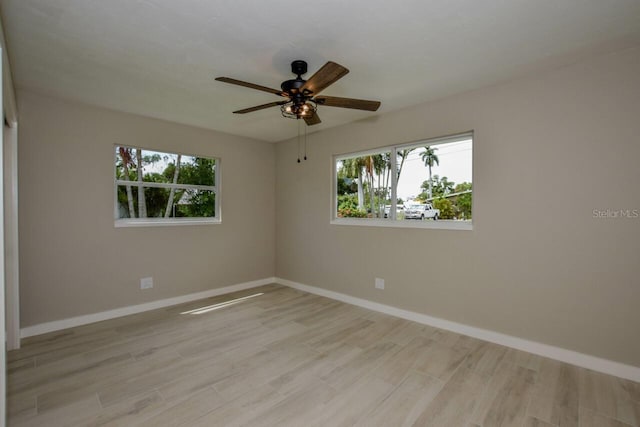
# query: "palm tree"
x,y
142,203
172,193
381,165
125,153
369,167
429,158
403,154
375,165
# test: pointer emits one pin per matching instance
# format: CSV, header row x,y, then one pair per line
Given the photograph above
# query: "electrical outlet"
x,y
379,283
146,283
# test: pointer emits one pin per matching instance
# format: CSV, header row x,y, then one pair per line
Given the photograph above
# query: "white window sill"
x,y
441,224
161,222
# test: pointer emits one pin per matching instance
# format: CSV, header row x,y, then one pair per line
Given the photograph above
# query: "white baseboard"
x,y
579,359
57,325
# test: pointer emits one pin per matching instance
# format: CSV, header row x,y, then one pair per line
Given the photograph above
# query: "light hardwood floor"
x,y
274,356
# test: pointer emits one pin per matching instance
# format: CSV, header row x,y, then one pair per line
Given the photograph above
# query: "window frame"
x,y
391,221
154,222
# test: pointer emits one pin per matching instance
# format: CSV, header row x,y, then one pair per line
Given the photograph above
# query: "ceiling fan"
x,y
302,95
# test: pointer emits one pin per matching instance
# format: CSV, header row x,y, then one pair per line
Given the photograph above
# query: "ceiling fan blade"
x,y
260,107
325,76
357,104
313,120
250,85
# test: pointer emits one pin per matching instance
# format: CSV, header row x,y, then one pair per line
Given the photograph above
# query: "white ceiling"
x,y
158,58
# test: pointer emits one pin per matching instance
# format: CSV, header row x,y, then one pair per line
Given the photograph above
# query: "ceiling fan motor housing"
x,y
292,87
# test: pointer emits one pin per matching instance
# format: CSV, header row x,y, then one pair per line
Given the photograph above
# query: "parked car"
x,y
387,209
421,212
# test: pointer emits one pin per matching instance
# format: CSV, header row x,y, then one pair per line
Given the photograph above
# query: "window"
x,y
429,181
158,188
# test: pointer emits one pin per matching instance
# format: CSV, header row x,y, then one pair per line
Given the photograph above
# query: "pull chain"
x,y
298,140
305,142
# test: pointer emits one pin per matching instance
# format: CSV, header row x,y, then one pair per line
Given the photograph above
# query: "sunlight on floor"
x,y
209,308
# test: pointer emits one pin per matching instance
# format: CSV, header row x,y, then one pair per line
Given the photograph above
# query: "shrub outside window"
x,y
429,181
160,188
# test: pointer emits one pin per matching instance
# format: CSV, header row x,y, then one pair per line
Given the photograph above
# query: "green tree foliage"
x,y
156,197
201,171
461,204
463,201
447,210
354,168
440,187
201,203
168,172
465,186
347,186
348,207
187,202
372,176
153,158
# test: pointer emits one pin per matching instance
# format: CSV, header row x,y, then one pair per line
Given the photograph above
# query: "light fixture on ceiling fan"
x,y
301,110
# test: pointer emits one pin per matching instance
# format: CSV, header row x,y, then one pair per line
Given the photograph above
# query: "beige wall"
x,y
72,259
548,150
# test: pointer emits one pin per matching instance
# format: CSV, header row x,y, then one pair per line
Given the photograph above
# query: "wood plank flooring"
x,y
274,356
